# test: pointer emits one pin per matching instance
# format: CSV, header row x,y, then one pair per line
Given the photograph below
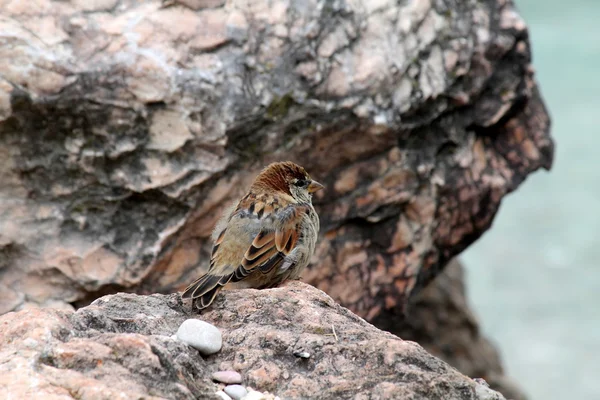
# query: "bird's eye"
x,y
301,183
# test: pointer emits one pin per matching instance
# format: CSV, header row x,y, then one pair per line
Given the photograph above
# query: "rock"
x,y
127,127
484,392
481,381
236,392
198,4
201,335
229,377
222,395
119,348
256,395
441,320
122,142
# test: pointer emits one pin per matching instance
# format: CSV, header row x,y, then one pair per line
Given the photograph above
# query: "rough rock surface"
x,y
442,322
125,127
121,347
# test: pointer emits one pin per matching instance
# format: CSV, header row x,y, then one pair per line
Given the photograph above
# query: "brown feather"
x,y
278,176
262,238
259,247
250,265
205,289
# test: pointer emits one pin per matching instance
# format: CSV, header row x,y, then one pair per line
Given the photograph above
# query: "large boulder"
x,y
126,127
120,347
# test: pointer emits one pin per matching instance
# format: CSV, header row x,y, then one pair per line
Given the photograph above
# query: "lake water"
x,y
534,278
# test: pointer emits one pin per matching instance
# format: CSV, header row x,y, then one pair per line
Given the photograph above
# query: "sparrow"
x,y
266,238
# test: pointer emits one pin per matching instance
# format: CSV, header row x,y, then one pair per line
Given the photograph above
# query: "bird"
x,y
264,239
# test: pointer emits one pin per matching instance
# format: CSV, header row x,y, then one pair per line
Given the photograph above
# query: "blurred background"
x,y
533,278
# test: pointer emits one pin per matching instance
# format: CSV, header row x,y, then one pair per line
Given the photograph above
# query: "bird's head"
x,y
289,178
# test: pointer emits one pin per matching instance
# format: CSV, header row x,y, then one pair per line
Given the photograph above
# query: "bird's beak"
x,y
314,186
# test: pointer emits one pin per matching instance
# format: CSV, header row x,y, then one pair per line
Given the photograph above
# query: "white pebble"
x,y
200,335
222,395
229,377
255,395
236,392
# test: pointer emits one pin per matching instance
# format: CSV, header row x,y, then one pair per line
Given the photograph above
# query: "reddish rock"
x,y
121,347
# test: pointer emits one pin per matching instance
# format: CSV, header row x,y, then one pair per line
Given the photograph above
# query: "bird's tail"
x,y
204,290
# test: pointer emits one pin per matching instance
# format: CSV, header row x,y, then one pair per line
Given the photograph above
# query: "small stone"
x,y
222,395
255,395
236,392
201,335
228,377
302,354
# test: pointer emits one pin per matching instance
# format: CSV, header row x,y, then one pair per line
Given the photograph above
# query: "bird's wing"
x,y
269,246
205,288
272,244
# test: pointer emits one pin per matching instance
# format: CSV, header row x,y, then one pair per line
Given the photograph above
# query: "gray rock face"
x,y
125,129
120,347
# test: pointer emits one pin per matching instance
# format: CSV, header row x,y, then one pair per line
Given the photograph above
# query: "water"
x,y
534,278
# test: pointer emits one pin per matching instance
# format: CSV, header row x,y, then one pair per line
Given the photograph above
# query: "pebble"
x,y
255,395
302,354
222,395
229,377
201,335
236,392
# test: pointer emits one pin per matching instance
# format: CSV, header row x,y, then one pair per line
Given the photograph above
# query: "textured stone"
x,y
120,347
441,320
132,126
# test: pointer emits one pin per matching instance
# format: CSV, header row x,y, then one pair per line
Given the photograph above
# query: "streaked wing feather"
x,y
256,249
273,262
267,251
